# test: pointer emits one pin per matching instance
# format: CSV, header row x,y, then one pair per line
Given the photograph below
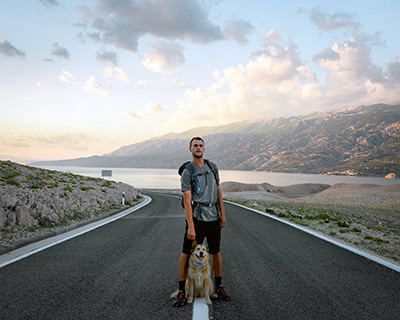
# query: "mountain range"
x,y
363,140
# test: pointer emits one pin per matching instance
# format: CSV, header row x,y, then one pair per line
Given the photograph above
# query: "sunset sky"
x,y
79,78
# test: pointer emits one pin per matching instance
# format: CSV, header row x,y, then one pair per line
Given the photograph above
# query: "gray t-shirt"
x,y
208,191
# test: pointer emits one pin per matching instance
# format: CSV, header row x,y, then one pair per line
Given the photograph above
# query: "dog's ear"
x,y
194,243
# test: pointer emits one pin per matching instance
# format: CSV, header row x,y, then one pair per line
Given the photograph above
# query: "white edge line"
x,y
200,309
326,238
76,232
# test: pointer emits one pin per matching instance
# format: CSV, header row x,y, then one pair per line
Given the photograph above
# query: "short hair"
x,y
195,138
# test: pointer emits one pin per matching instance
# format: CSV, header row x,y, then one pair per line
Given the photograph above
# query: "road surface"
x,y
128,268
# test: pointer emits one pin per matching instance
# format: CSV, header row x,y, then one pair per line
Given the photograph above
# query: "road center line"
x,y
200,309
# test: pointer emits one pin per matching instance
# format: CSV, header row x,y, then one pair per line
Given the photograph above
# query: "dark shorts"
x,y
210,230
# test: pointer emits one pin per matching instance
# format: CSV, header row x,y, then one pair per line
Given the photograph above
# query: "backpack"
x,y
195,184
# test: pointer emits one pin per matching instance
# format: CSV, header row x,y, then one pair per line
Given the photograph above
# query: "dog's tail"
x,y
174,294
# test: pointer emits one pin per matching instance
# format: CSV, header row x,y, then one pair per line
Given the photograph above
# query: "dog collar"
x,y
199,264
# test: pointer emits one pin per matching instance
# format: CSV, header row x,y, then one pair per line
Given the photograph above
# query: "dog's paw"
x,y
190,300
208,301
213,295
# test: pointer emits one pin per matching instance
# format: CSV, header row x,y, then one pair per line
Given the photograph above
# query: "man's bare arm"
x,y
187,201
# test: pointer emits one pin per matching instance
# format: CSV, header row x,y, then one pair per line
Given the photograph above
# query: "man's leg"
x,y
217,264
183,266
217,268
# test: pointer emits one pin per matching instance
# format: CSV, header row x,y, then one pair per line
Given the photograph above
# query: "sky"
x,y
80,78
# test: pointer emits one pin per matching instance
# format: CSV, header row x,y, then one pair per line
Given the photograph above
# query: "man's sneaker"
x,y
180,300
221,294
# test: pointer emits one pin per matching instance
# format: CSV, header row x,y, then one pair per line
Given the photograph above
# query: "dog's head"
x,y
200,253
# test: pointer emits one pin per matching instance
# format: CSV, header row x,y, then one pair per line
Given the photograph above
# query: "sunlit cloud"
x,y
153,111
66,76
164,57
116,72
92,86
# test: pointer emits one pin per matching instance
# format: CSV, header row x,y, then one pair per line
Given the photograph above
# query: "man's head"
x,y
197,147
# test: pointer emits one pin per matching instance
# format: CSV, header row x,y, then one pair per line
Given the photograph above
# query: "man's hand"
x,y
191,233
222,222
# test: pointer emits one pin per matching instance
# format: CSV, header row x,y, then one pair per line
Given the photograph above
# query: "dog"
x,y
198,280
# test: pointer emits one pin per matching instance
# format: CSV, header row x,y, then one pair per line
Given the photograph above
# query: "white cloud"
x,y
153,111
92,86
276,82
66,76
164,57
145,83
177,82
272,35
116,72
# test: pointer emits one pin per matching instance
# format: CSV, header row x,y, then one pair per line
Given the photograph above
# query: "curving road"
x,y
128,268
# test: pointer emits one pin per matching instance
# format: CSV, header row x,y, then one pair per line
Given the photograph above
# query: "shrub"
x,y
343,224
13,182
68,188
271,211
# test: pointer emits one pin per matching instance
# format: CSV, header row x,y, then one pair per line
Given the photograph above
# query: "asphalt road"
x,y
128,268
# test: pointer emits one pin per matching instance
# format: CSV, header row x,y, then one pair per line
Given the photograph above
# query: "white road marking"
x,y
26,251
326,238
200,309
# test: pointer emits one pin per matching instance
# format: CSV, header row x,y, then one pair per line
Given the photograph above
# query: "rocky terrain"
x,y
364,216
360,141
34,200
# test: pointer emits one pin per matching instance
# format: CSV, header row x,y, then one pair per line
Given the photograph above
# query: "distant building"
x,y
390,176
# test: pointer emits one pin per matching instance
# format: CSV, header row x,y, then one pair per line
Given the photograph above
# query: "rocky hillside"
x,y
364,140
33,198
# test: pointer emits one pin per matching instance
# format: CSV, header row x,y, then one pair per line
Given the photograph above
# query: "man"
x,y
200,184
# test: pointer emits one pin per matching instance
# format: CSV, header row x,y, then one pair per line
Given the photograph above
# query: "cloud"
x,y
272,35
70,141
59,51
332,21
153,111
92,86
164,57
8,50
177,82
116,72
107,56
145,83
237,30
66,76
50,3
122,23
276,82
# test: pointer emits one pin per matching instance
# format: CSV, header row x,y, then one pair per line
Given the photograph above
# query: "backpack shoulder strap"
x,y
195,185
213,169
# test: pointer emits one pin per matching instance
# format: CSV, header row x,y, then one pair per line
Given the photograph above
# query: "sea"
x,y
169,178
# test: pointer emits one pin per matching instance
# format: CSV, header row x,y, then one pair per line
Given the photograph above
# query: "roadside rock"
x,y
38,198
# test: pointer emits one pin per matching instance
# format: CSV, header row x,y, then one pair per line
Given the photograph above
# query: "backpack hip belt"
x,y
205,204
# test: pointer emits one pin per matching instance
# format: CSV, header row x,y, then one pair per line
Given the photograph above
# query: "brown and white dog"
x,y
198,280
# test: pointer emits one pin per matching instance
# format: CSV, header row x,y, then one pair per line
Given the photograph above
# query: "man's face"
x,y
197,148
